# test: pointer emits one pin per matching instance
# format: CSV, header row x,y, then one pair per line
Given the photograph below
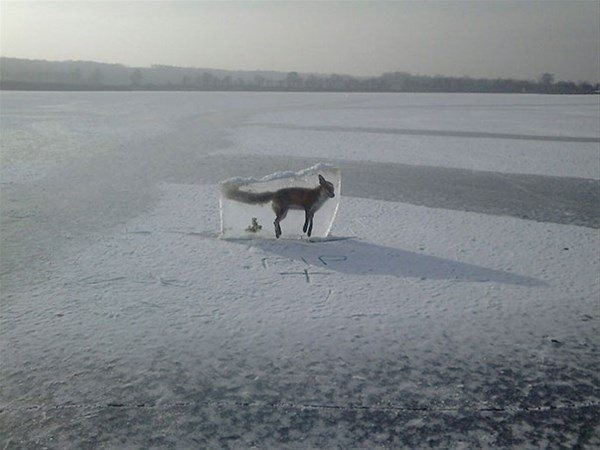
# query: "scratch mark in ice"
x,y
306,273
484,407
355,316
172,282
332,258
91,280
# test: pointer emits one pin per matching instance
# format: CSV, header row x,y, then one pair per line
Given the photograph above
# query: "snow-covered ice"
x,y
128,321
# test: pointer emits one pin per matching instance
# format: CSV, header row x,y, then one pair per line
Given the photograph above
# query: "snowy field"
x,y
455,304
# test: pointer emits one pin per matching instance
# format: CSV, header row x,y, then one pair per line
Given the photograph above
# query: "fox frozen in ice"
x,y
282,200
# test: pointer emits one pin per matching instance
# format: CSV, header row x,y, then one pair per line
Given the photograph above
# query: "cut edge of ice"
x,y
281,175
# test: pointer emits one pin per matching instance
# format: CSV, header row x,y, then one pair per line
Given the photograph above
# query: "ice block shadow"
x,y
353,256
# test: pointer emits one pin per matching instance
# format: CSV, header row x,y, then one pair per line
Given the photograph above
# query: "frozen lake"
x,y
460,307
76,163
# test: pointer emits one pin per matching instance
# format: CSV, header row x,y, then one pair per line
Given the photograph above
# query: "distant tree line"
x,y
81,75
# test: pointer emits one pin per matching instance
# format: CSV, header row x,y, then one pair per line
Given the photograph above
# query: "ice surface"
x,y
510,134
521,156
242,220
126,322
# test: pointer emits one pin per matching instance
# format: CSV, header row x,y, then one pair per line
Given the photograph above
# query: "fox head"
x,y
326,186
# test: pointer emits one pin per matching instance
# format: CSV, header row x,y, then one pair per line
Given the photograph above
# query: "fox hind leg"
x,y
278,219
280,213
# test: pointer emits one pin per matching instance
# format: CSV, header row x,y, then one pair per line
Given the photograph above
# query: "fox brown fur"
x,y
282,200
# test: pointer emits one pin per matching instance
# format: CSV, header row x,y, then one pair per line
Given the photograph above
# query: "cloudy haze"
x,y
481,39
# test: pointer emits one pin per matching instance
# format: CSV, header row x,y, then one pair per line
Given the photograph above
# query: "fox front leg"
x,y
277,228
308,223
306,220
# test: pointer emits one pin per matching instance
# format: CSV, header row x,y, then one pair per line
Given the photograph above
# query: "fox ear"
x,y
321,179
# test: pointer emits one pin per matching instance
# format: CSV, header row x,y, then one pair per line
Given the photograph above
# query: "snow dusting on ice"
x,y
127,320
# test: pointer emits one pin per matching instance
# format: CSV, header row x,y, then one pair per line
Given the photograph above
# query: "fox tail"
x,y
233,192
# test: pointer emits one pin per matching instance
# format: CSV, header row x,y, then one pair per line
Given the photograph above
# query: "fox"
x,y
282,200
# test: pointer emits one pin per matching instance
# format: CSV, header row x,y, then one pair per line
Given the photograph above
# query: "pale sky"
x,y
478,38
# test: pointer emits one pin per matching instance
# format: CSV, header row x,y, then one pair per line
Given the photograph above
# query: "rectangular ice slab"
x,y
248,220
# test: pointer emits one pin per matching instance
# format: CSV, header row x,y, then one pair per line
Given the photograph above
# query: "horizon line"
x,y
286,71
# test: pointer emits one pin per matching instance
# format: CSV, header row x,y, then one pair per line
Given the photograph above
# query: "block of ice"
x,y
249,206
